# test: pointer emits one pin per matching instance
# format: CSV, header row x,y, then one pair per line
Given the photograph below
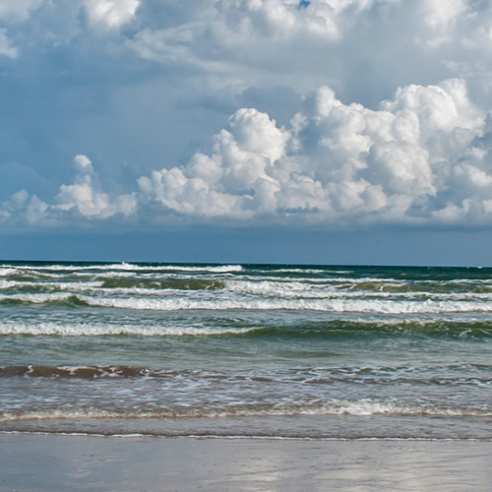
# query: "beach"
x,y
88,463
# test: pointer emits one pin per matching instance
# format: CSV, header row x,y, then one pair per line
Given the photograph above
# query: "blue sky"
x,y
331,131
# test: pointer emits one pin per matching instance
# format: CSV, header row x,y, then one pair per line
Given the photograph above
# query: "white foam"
x,y
297,289
105,329
277,289
214,302
282,290
327,305
5,284
126,266
212,269
67,286
362,408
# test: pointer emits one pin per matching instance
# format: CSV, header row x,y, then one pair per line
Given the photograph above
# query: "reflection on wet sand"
x,y
82,463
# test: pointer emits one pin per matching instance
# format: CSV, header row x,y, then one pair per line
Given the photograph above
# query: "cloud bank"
x,y
422,157
306,44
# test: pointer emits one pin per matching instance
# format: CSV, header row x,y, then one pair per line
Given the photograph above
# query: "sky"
x,y
321,131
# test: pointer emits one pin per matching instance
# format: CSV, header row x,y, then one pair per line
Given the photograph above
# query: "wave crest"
x,y
306,330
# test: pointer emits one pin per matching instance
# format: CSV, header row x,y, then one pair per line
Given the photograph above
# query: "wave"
x,y
306,288
95,329
46,287
44,300
311,290
138,286
79,372
308,376
367,329
27,276
325,305
337,305
6,269
314,330
170,283
418,287
361,408
125,285
297,270
256,435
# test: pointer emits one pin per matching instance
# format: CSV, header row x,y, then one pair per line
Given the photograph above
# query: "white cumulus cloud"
x,y
420,158
80,200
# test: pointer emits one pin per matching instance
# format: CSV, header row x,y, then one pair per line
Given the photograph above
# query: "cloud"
x,y
111,14
80,200
107,13
238,44
442,17
278,19
243,39
422,157
23,208
221,184
360,151
6,47
83,198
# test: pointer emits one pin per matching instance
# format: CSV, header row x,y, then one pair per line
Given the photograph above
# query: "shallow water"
x,y
238,350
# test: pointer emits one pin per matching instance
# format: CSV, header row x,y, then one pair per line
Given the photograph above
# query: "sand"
x,y
87,463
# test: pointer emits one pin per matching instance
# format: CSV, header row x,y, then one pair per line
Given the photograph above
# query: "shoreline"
x,y
238,437
89,463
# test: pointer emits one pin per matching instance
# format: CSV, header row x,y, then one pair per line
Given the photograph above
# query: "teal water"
x,y
243,350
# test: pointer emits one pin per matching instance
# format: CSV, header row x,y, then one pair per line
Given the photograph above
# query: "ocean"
x,y
264,351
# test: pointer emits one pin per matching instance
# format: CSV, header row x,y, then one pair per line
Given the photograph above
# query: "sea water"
x,y
246,350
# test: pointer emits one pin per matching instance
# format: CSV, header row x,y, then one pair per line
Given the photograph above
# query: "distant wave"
x,y
9,270
305,271
170,283
425,287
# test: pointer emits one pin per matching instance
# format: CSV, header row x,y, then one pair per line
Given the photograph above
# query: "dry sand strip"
x,y
87,463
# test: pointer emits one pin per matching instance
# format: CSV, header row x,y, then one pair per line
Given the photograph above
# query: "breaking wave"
x,y
329,305
315,330
335,408
9,270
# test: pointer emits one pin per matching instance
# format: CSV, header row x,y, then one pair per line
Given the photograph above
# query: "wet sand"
x,y
88,463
